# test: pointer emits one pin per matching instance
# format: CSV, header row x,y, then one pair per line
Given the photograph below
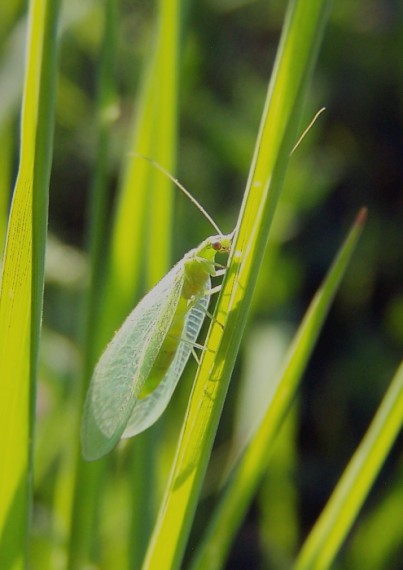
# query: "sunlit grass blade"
x,y
334,523
164,142
22,285
297,53
248,473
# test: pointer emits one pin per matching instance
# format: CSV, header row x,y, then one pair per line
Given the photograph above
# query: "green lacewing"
x,y
136,375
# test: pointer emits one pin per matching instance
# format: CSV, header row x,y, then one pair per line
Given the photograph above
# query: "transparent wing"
x,y
125,365
147,410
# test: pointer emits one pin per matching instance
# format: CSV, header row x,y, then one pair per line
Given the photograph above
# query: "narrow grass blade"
x,y
153,134
158,242
249,471
88,477
164,143
331,529
22,285
296,56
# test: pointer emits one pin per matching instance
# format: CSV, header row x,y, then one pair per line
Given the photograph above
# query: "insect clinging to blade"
x,y
136,375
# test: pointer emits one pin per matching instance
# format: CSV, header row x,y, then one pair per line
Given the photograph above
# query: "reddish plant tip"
x,y
361,217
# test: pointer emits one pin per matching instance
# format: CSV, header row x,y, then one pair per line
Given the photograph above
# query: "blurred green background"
x,y
351,157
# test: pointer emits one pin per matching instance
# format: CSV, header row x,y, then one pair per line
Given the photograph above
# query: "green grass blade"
x,y
297,53
157,246
107,112
142,188
88,476
250,470
331,529
153,134
164,143
22,285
